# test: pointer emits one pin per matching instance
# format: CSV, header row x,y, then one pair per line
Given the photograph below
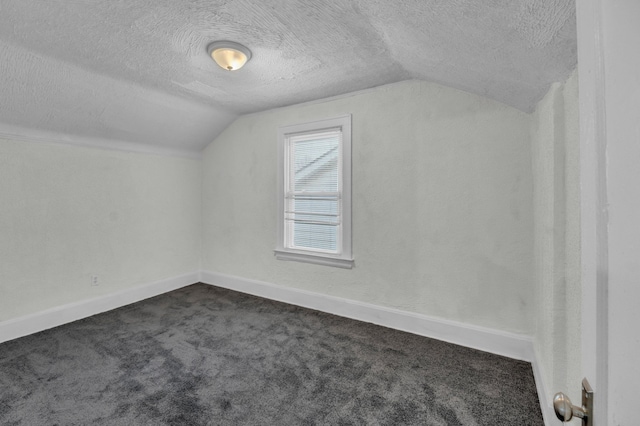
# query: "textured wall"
x,y
442,214
69,212
556,156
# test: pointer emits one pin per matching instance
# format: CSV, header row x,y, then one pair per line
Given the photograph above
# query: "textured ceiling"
x,y
137,70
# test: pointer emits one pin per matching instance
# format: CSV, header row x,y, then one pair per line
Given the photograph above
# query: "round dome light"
x,y
229,55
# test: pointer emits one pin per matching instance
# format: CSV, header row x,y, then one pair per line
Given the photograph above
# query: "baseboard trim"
x,y
54,317
507,344
485,339
548,413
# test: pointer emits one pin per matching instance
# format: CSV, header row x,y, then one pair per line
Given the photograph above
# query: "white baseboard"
x,y
485,339
546,407
29,324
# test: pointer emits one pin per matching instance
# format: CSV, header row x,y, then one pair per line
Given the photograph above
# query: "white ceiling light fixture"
x,y
230,55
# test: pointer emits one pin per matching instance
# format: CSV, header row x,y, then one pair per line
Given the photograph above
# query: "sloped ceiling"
x,y
138,71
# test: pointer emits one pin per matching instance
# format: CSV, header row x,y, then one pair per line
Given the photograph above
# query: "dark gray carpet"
x,y
208,356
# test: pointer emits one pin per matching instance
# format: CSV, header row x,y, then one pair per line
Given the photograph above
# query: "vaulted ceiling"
x,y
138,70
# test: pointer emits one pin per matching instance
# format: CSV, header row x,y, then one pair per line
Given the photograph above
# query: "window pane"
x,y
315,221
319,206
314,169
322,237
315,164
314,191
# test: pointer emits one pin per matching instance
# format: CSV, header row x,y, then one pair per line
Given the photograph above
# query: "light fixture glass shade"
x,y
229,55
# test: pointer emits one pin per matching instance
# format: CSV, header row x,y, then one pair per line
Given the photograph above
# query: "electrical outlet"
x,y
94,280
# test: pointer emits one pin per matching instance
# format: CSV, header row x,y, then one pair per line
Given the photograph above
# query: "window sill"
x,y
315,259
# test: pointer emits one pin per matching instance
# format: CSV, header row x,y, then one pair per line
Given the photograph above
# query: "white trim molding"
x,y
312,258
548,414
499,342
54,317
16,133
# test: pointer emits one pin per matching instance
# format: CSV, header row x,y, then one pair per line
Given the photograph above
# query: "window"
x,y
314,192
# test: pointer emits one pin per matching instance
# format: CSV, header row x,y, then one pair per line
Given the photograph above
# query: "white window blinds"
x,y
313,188
314,192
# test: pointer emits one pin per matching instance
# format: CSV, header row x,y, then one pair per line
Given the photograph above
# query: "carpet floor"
x,y
203,355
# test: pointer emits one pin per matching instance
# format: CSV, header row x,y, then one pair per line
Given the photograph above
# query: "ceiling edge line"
x,y
334,97
15,133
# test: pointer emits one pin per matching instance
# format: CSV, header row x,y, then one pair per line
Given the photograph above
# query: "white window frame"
x,y
344,257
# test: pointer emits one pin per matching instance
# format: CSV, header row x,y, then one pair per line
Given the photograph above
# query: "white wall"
x,y
556,195
68,212
464,209
442,204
